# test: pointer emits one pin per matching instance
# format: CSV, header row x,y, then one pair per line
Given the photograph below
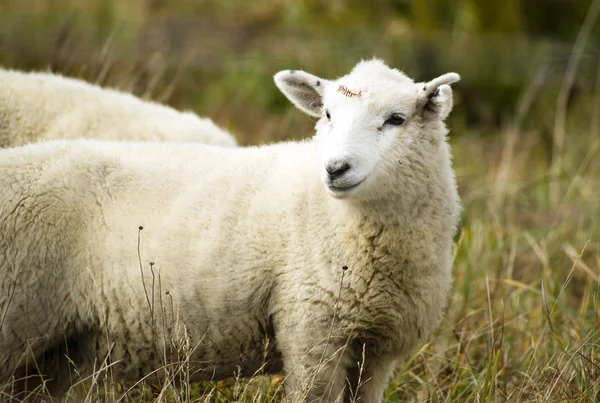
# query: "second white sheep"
x,y
38,106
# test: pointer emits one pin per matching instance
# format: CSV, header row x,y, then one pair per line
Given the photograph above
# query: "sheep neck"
x,y
420,205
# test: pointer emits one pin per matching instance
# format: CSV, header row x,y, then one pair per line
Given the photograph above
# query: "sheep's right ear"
x,y
303,89
435,97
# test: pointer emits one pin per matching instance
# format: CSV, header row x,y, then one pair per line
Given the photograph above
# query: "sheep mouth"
x,y
344,190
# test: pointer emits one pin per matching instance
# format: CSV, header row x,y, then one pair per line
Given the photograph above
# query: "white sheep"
x,y
248,245
38,106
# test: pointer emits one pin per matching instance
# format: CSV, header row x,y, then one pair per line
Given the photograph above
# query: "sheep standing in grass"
x,y
247,245
44,106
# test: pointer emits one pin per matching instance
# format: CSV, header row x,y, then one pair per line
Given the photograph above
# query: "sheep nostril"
x,y
337,169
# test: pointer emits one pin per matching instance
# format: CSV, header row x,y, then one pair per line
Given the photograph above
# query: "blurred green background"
x,y
523,321
217,57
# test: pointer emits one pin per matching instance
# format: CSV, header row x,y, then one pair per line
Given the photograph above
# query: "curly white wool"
x,y
248,242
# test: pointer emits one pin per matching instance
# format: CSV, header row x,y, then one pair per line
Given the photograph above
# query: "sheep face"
x,y
369,121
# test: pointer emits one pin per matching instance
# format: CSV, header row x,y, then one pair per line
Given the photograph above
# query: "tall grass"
x,y
524,320
523,323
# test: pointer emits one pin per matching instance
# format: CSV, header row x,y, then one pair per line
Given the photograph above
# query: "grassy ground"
x,y
523,323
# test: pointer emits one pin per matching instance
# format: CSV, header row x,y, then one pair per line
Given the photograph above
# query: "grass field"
x,y
523,323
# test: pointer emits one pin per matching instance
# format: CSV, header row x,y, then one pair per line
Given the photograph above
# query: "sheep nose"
x,y
336,169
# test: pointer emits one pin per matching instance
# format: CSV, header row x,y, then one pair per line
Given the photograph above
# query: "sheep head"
x,y
370,120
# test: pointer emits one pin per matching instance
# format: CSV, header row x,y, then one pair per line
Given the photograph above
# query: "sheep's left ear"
x,y
434,101
303,89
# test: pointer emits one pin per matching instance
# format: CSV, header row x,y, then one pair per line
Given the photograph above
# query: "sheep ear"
x,y
435,97
303,89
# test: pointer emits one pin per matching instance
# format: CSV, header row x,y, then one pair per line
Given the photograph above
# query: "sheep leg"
x,y
367,381
317,374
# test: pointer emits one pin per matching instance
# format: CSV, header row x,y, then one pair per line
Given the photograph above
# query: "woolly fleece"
x,y
247,246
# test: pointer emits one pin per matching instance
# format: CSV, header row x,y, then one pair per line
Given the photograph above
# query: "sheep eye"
x,y
395,120
327,114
